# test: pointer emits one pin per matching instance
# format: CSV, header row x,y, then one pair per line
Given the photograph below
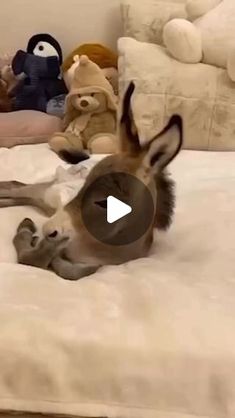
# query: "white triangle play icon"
x,y
116,209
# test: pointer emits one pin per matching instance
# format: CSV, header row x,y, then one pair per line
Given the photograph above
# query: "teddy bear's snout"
x,y
84,103
88,103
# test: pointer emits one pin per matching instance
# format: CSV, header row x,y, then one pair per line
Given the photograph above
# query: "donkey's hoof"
x,y
28,224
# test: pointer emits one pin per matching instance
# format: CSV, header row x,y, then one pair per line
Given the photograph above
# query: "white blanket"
x,y
150,339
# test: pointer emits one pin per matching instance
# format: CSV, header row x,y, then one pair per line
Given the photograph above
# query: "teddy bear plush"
x,y
90,117
207,36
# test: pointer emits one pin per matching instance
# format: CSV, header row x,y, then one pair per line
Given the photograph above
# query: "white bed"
x,y
153,338
150,339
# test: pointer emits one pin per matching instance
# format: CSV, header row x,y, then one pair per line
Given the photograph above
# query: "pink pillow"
x,y
27,127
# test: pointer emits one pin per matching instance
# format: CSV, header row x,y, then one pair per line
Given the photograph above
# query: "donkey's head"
x,y
147,165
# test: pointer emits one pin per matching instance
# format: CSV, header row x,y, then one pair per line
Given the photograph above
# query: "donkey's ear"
x,y
129,138
164,147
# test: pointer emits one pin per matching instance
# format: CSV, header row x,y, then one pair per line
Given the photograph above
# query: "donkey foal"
x,y
67,247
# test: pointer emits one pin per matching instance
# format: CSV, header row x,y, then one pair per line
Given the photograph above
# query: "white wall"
x,y
72,22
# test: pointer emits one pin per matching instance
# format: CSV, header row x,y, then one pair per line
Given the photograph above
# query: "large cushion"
x,y
203,95
27,127
144,20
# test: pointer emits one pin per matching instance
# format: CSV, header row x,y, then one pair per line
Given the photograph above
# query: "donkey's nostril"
x,y
53,234
84,103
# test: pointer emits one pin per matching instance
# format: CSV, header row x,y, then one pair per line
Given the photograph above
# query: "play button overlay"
x,y
117,208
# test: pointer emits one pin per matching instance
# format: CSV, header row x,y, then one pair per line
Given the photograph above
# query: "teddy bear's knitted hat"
x,y
89,78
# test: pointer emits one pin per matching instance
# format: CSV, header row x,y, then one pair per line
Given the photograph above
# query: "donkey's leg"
x,y
30,251
69,271
14,193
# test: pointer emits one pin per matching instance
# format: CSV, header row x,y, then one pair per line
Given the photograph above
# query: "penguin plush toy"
x,y
40,65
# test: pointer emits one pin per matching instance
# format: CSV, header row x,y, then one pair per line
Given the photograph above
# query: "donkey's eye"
x,y
102,203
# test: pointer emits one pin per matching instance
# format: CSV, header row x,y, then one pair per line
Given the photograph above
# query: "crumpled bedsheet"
x,y
153,338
